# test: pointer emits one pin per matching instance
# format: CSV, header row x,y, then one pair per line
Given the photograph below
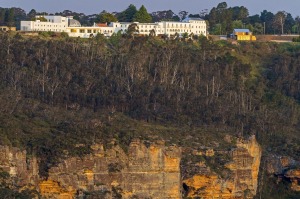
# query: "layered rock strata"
x,y
152,172
22,168
141,172
244,175
285,168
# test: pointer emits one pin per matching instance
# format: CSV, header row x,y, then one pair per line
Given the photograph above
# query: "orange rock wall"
x,y
243,182
209,186
145,172
294,176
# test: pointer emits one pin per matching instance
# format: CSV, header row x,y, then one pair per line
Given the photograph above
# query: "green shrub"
x,y
64,35
297,39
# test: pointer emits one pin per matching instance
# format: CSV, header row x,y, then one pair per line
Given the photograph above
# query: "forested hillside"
x,y
59,93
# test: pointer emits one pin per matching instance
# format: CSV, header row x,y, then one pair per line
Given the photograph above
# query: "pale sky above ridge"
x,y
192,6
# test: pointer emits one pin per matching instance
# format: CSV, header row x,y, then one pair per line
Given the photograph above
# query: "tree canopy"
x,y
105,17
128,14
142,16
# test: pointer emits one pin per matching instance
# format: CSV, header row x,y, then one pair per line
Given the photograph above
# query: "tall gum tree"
x,y
279,20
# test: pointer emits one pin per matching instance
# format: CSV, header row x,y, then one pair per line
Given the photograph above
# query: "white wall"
x,y
86,32
54,23
26,25
60,24
196,27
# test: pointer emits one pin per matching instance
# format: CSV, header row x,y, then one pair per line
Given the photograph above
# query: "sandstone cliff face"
x,y
285,168
152,172
141,172
294,176
22,169
279,164
243,182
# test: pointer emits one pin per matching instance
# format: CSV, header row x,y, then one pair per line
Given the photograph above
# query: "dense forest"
x,y
221,19
60,92
59,95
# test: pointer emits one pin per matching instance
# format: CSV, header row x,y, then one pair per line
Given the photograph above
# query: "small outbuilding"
x,y
7,28
243,35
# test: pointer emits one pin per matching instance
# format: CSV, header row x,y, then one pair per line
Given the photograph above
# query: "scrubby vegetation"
x,y
297,39
60,95
7,189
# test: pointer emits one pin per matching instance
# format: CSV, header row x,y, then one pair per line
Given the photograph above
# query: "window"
x,y
81,31
89,31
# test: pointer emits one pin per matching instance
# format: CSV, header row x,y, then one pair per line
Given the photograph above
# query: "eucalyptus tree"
x,y
132,30
279,20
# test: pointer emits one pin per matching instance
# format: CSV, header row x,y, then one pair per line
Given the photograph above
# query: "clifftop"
x,y
145,171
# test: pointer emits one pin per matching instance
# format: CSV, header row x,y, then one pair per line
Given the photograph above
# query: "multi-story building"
x,y
47,23
195,26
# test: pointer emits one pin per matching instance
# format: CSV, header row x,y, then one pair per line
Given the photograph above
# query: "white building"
x,y
195,26
53,23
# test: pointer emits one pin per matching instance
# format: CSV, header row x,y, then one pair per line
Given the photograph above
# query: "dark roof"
x,y
242,30
193,18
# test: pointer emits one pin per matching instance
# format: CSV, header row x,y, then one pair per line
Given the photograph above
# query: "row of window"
x,y
52,20
182,31
91,31
168,26
53,30
148,30
141,26
178,30
198,21
145,26
142,31
48,25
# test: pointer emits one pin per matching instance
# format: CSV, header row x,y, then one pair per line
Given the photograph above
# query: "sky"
x,y
192,6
